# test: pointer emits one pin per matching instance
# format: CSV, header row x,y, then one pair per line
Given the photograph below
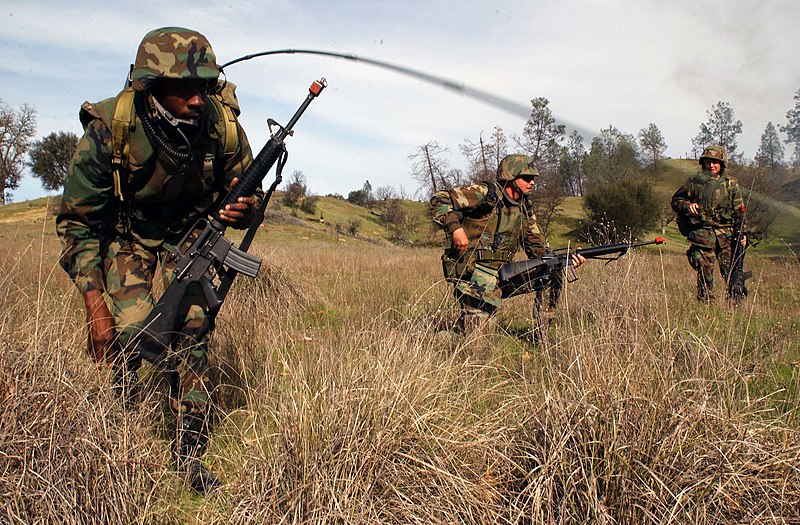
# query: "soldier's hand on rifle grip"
x,y
460,241
238,213
693,208
100,324
577,260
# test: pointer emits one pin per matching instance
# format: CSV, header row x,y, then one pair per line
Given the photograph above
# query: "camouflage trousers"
x,y
129,272
479,296
707,247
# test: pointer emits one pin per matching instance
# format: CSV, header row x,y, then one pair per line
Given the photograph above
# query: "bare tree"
x,y
652,141
429,168
385,193
484,156
665,214
17,129
721,128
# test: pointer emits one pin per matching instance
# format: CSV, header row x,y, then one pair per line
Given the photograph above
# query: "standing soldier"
x,y
153,160
708,205
486,224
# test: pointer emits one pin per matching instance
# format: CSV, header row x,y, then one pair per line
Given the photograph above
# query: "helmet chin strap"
x,y
171,119
509,197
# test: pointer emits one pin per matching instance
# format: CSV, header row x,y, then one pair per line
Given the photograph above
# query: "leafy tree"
x,y
295,190
770,152
652,141
50,158
358,197
362,197
484,156
309,204
721,128
542,136
571,166
613,155
17,128
792,129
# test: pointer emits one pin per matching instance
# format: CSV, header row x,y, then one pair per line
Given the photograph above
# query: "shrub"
x,y
626,207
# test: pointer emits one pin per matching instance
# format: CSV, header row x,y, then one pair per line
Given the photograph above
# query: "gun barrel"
x,y
617,248
599,251
270,153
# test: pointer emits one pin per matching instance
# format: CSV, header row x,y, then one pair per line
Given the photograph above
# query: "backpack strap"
x,y
231,133
227,106
121,124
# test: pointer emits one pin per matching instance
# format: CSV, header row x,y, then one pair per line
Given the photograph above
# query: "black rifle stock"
x,y
532,275
737,280
209,254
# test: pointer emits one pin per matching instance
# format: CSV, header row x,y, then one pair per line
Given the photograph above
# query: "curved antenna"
x,y
452,85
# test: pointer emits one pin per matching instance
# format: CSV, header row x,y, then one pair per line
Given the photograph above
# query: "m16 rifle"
x,y
533,275
737,289
205,259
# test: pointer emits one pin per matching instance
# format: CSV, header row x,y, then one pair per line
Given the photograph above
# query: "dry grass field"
x,y
342,398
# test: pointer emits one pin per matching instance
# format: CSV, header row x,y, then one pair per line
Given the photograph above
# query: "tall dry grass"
x,y
342,399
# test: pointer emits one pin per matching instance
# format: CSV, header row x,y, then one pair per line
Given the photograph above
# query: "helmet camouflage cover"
x,y
173,52
513,166
714,152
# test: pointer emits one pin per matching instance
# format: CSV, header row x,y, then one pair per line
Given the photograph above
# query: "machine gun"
x,y
205,259
533,275
737,289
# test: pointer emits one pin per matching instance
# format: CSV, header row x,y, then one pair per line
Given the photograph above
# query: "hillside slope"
x,y
336,220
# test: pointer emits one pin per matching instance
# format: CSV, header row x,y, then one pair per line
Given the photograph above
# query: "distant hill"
x,y
791,191
35,210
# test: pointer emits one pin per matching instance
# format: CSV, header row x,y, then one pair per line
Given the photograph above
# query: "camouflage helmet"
x,y
173,52
714,152
513,166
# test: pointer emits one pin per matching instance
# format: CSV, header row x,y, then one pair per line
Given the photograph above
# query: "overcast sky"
x,y
600,63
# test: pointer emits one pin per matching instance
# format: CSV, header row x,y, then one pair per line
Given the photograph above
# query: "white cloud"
x,y
617,63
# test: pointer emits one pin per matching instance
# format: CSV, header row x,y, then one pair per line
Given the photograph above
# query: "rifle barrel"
x,y
270,153
620,248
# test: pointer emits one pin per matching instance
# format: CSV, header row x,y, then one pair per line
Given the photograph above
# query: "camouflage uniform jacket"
x,y
160,197
719,199
495,225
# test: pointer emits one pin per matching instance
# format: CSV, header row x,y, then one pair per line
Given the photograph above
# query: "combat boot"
x,y
190,444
